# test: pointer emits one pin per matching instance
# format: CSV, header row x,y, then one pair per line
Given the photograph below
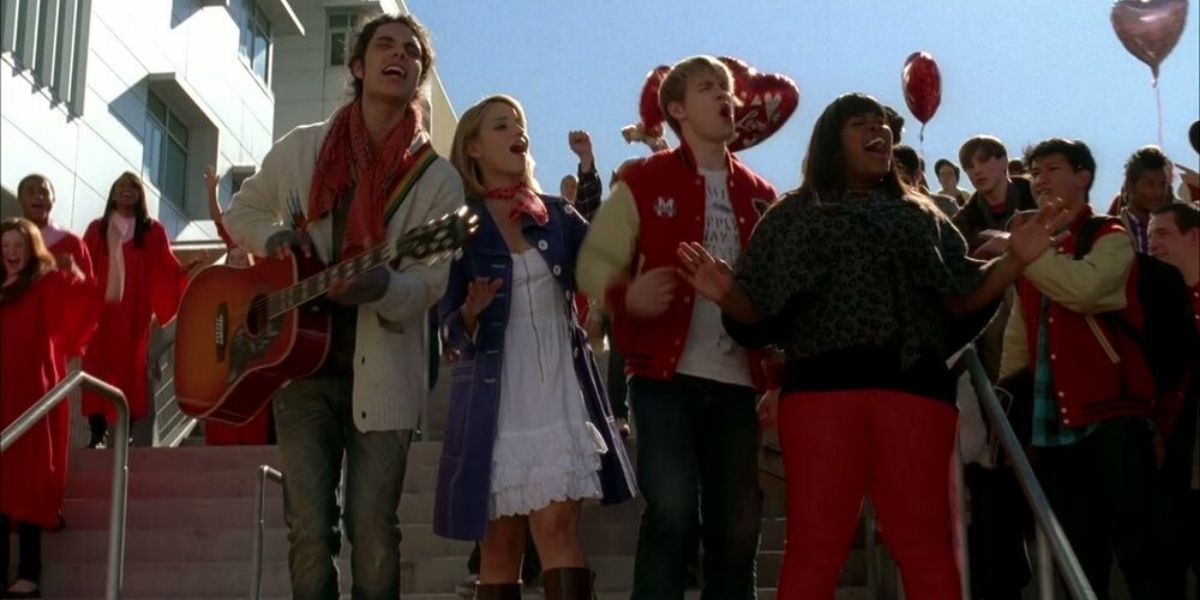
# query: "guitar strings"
x,y
416,234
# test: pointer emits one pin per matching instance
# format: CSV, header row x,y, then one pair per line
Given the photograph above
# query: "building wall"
x,y
128,42
308,89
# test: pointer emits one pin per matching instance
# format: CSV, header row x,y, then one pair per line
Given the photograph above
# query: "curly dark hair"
x,y
364,35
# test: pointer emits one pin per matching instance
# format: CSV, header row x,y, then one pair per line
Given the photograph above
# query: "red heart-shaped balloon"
x,y
648,109
922,83
767,102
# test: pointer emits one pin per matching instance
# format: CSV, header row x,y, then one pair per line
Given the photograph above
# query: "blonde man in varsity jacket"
x,y
692,389
1091,391
364,177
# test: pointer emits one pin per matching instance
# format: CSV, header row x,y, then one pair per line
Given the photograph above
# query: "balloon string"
x,y
922,137
1158,102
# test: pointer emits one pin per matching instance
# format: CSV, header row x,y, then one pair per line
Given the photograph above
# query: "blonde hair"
x,y
674,86
467,131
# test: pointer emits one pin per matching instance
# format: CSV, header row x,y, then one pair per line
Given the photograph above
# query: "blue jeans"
x,y
697,450
315,428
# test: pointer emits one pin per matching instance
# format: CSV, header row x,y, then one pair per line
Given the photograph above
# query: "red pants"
x,y
894,446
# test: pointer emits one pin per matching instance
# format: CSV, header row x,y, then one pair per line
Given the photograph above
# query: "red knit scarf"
x,y
524,201
348,160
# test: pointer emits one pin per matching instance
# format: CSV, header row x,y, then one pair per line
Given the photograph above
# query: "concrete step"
x,y
229,483
854,593
221,510
238,513
186,544
191,459
418,575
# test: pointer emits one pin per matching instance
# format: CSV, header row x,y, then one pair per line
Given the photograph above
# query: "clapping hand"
x,y
1033,237
711,276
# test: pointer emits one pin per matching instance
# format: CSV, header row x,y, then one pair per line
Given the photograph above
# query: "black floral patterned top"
x,y
856,278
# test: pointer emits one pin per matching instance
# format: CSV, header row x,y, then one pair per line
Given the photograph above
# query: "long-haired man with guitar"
x,y
340,191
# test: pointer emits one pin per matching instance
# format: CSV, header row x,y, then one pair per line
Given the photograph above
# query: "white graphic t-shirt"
x,y
709,352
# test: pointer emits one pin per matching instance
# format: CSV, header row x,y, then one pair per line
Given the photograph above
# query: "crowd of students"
x,y
863,284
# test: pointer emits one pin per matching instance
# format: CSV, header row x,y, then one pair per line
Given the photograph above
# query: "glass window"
x,y
42,65
22,37
177,130
255,40
49,41
341,27
337,48
157,108
156,137
165,159
262,52
175,173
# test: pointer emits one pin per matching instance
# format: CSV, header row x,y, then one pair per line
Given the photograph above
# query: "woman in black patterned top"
x,y
868,289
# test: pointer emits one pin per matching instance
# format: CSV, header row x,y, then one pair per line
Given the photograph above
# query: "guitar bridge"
x,y
222,331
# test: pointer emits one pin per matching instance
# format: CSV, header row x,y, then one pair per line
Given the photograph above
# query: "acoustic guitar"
x,y
242,333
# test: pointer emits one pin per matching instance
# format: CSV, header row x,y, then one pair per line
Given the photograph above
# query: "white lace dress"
x,y
546,447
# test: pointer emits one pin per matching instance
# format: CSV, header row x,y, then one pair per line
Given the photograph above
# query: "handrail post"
x,y
119,493
960,524
871,550
265,472
1049,529
120,477
1045,566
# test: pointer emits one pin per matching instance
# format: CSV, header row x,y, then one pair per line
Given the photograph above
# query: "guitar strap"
x,y
424,159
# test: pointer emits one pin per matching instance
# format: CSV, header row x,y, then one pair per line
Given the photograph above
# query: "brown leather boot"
x,y
569,583
497,591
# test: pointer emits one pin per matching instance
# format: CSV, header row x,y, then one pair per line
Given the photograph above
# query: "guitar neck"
x,y
444,234
315,286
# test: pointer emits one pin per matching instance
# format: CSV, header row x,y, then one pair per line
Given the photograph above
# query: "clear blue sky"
x,y
1018,69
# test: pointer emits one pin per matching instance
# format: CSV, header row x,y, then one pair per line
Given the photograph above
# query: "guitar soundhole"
x,y
257,316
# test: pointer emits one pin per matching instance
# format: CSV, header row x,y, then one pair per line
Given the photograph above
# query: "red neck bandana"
x,y
524,201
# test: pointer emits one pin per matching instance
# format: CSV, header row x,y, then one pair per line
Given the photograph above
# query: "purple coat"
x,y
464,471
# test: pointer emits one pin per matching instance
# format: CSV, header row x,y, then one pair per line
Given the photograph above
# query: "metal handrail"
x,y
1052,544
265,473
120,478
1051,540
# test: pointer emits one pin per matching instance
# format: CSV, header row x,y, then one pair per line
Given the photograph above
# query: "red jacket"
x,y
670,197
1099,373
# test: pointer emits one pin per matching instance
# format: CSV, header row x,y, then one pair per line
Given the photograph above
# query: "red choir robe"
x,y
154,282
60,242
255,432
52,319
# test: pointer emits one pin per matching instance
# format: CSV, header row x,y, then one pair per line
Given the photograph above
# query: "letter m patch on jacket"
x,y
665,207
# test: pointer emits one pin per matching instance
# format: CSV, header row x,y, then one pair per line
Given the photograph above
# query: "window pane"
x,y
262,47
178,130
246,40
45,31
337,49
23,20
157,108
337,21
152,153
262,22
175,174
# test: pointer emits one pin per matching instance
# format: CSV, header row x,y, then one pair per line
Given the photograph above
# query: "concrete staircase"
x,y
191,516
190,522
